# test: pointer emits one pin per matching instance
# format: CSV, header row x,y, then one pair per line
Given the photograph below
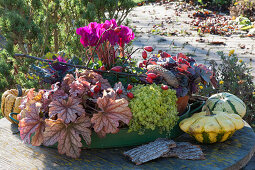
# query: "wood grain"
x,y
232,154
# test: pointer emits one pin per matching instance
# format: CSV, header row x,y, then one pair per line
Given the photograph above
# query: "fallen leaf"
x,y
217,43
68,135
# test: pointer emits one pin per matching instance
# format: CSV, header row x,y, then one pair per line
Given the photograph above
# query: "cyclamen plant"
x,y
103,38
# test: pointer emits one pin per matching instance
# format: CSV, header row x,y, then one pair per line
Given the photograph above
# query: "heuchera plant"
x,y
103,38
70,110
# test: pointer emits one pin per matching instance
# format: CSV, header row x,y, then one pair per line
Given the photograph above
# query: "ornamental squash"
x,y
226,102
11,100
216,126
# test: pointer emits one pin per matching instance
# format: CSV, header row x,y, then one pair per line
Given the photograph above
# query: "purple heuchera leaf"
x,y
58,66
66,110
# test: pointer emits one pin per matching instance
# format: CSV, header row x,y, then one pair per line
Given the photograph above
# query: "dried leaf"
x,y
68,136
113,111
185,150
32,123
68,110
151,151
217,43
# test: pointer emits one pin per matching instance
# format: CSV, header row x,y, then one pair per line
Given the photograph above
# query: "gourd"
x,y
167,75
215,126
226,102
11,100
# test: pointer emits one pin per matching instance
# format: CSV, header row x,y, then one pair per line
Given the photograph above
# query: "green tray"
x,y
124,138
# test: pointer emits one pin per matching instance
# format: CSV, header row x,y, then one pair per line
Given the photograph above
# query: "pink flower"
x,y
125,35
91,34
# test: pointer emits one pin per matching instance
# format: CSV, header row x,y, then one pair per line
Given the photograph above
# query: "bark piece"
x,y
150,151
185,150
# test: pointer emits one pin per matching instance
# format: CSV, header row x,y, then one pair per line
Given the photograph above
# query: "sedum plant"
x,y
153,108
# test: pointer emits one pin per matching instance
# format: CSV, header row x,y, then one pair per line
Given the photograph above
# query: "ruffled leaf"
x,y
68,136
32,123
93,77
113,111
66,110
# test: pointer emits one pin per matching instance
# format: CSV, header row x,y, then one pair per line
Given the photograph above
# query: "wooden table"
x,y
232,154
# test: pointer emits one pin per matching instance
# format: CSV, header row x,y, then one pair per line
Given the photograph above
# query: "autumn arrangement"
x,y
109,92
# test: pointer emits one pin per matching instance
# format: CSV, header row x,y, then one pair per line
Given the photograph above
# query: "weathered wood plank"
x,y
232,154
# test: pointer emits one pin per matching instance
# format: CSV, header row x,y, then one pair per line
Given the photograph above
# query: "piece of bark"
x,y
150,151
185,150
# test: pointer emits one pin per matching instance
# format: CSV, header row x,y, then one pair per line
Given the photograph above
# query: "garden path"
x,y
153,20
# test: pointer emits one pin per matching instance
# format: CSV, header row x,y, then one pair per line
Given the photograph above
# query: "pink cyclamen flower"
x,y
91,34
125,35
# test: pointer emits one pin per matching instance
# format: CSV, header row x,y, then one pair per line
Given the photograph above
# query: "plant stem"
x,y
77,66
129,56
97,46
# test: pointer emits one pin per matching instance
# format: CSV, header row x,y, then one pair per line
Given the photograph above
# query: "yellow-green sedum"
x,y
153,108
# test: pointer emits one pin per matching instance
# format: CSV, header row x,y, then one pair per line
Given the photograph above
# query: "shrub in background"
x,y
215,4
39,26
233,76
12,73
244,8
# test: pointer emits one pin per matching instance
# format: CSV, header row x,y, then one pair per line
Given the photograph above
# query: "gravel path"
x,y
153,21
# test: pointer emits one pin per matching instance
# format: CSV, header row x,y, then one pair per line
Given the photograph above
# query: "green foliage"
x,y
153,108
233,76
12,73
39,26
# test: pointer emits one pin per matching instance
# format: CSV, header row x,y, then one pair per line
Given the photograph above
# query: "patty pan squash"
x,y
226,102
213,126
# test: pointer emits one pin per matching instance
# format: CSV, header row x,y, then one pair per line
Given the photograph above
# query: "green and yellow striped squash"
x,y
211,128
226,102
